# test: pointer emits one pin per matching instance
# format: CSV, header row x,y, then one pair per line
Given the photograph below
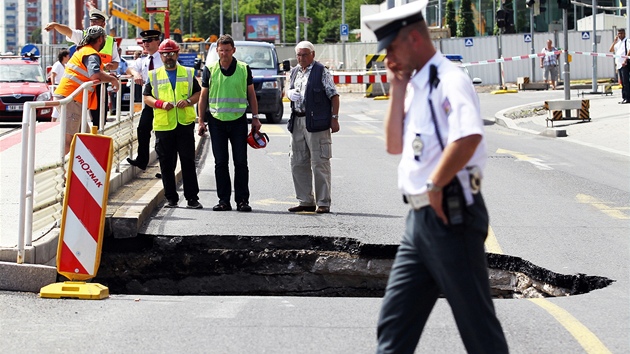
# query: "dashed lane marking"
x,y
524,157
361,117
363,130
613,212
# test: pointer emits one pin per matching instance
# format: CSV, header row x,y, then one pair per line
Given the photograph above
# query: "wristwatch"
x,y
255,116
431,187
335,116
188,100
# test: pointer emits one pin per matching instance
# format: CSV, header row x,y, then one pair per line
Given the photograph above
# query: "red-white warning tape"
x,y
557,52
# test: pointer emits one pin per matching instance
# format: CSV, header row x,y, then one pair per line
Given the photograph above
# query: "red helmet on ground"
x,y
257,140
168,45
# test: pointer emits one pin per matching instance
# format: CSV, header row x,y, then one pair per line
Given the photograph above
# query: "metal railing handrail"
x,y
27,172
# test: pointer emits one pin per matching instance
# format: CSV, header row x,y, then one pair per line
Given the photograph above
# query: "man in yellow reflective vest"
x,y
85,65
227,88
172,91
109,53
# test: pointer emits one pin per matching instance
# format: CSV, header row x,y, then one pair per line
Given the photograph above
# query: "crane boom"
x,y
128,16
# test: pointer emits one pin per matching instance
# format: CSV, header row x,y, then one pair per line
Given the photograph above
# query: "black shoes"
x,y
171,204
624,102
323,210
194,204
222,207
133,162
243,206
299,208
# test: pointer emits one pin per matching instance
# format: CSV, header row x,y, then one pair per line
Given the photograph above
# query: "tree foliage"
x,y
326,16
465,23
450,17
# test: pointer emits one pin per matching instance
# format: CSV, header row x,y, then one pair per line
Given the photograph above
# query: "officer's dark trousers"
x,y
168,145
234,132
145,126
433,259
624,74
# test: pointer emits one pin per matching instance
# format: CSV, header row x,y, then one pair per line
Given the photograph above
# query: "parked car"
x,y
459,60
22,80
267,72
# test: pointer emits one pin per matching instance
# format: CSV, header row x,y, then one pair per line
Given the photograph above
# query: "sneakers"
x,y
194,204
243,206
171,204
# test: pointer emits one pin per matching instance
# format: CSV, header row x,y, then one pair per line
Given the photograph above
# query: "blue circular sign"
x,y
30,50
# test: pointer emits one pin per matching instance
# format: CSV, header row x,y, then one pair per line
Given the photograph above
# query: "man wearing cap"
x,y
109,54
172,91
85,65
314,117
140,70
434,121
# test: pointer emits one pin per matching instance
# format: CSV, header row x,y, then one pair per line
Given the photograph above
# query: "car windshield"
x,y
21,73
255,57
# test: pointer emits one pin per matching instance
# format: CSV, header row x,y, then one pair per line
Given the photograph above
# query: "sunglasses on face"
x,y
169,54
149,40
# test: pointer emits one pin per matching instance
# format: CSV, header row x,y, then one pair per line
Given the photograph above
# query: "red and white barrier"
x,y
359,78
85,204
530,56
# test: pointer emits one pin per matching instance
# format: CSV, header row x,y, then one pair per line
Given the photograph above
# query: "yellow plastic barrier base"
x,y
286,99
75,290
381,98
498,92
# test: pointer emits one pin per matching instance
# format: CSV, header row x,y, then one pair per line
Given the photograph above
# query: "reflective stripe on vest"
x,y
162,89
75,75
227,96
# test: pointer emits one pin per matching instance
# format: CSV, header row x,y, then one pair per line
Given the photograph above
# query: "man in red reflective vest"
x,y
85,65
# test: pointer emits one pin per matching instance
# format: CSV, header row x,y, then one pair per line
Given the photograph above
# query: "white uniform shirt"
x,y
77,36
456,106
141,65
621,48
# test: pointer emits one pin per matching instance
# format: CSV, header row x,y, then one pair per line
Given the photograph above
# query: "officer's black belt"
x,y
300,114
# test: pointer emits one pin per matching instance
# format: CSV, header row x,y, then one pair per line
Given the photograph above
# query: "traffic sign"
x,y
527,38
468,42
30,49
586,35
307,20
344,29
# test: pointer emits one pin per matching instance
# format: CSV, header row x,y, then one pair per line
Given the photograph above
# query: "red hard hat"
x,y
168,45
257,140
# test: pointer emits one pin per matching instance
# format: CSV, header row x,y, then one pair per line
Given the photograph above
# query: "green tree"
x,y
465,23
36,36
450,17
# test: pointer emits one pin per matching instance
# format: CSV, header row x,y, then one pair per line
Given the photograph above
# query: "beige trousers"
x,y
310,160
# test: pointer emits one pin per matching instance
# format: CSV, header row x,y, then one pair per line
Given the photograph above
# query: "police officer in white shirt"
x,y
140,71
434,121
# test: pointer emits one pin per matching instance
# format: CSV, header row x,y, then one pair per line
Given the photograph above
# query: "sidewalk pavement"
x,y
608,130
142,192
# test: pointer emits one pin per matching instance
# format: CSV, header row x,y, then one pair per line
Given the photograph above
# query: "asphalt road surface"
x,y
561,206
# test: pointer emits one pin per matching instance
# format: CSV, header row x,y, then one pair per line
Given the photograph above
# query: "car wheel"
x,y
275,118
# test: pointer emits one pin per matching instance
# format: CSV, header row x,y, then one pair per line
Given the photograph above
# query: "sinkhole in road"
x,y
294,266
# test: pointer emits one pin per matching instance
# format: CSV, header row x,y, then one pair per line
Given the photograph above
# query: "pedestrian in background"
x,y
140,71
620,46
314,117
109,53
56,73
85,65
434,121
549,63
172,91
227,88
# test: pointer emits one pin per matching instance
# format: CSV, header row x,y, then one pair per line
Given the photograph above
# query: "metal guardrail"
x,y
42,187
